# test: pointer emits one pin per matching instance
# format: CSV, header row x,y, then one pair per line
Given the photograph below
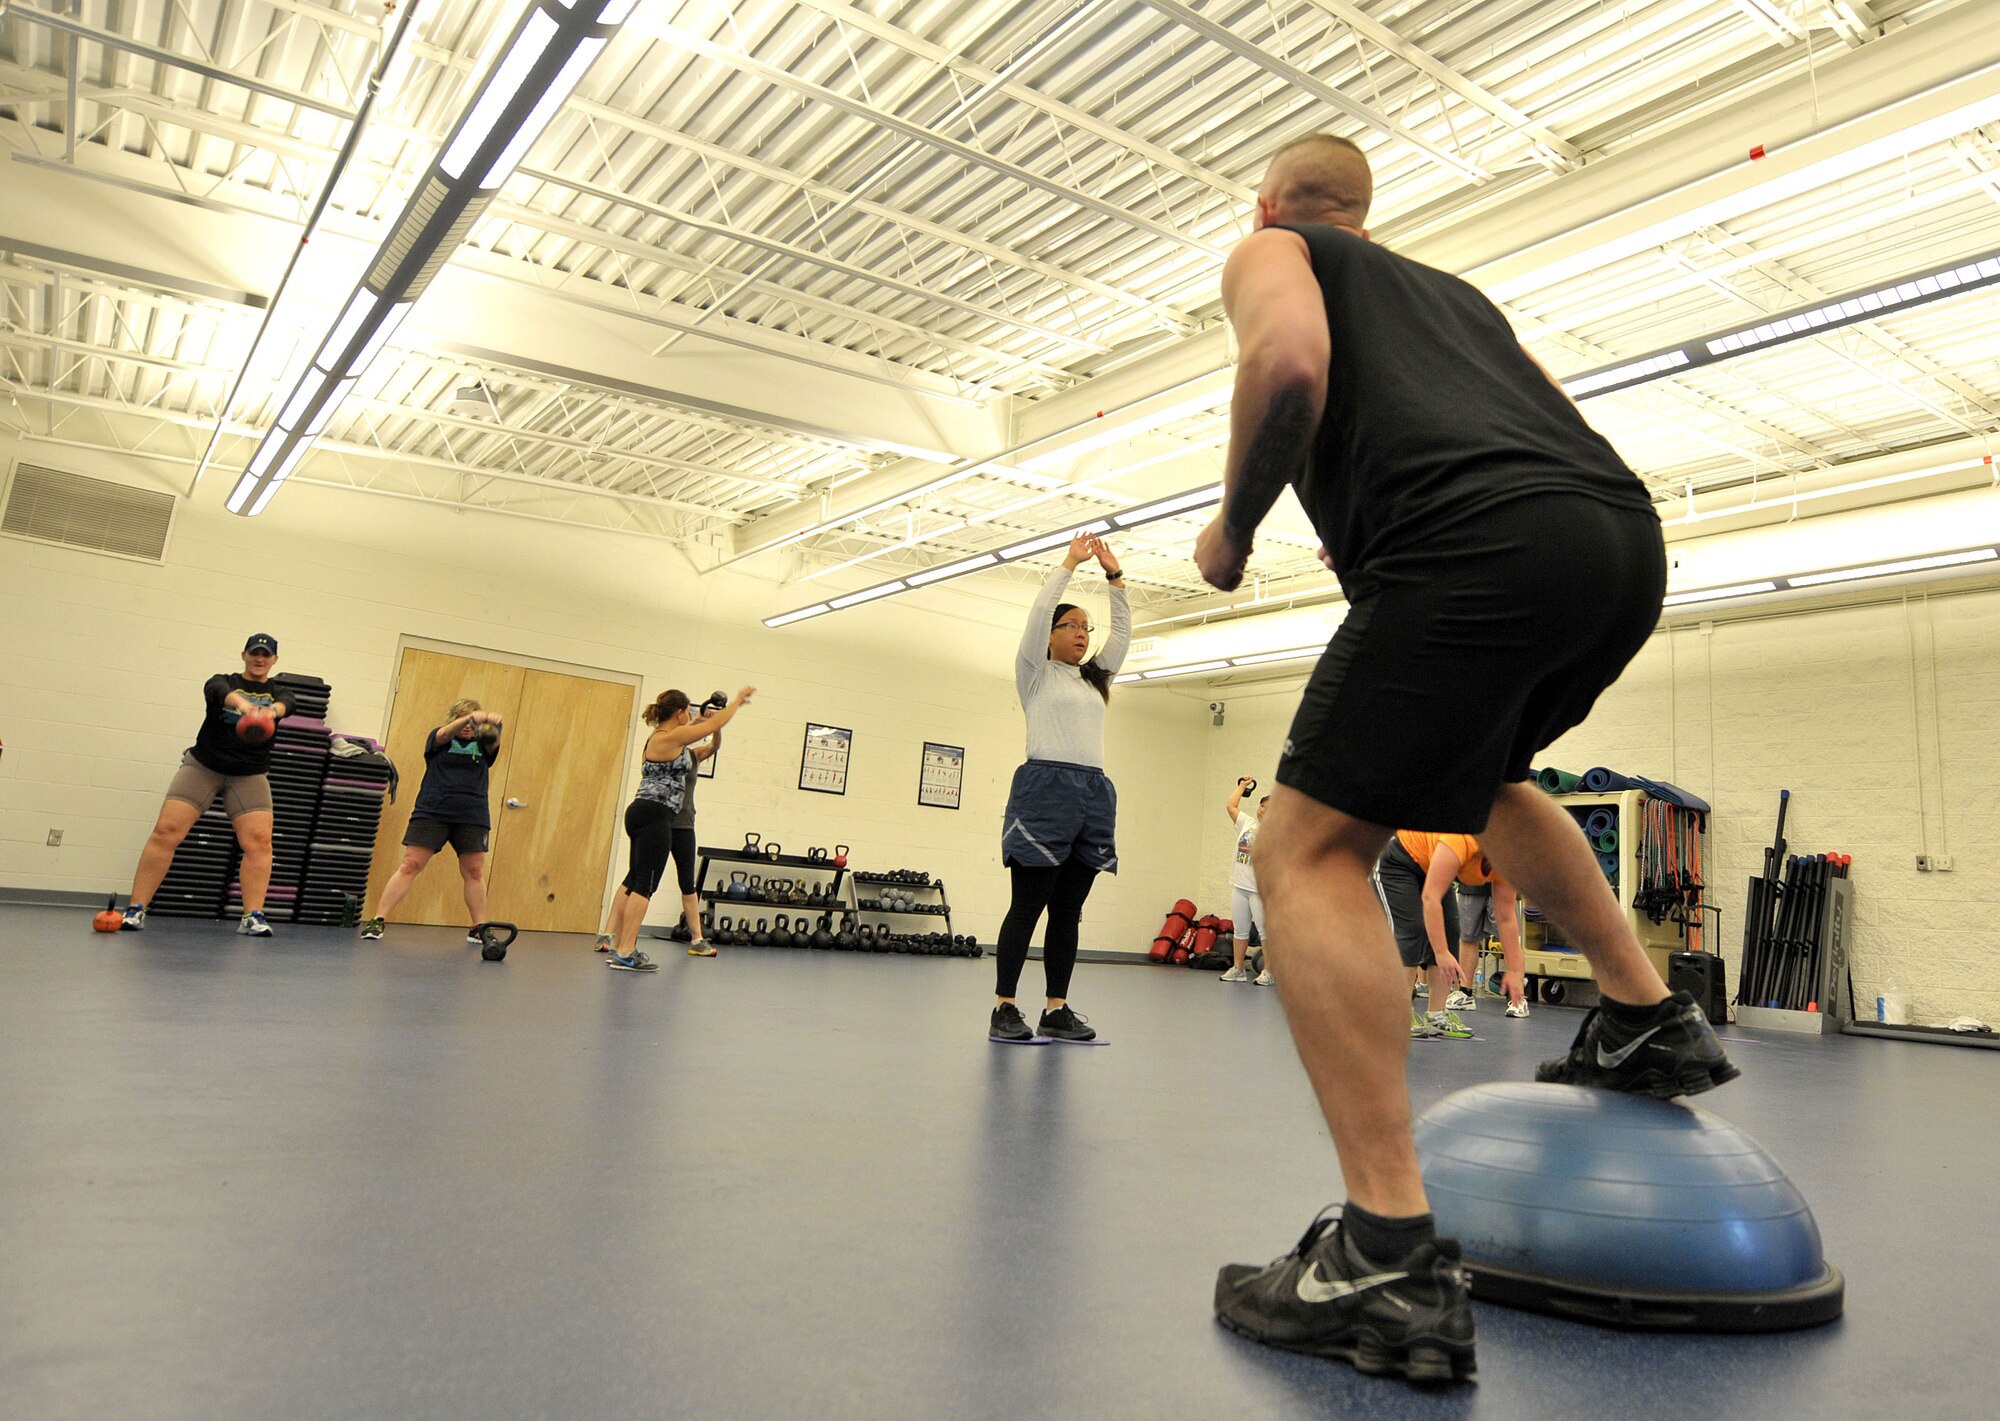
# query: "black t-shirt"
x,y
215,744
1433,411
454,787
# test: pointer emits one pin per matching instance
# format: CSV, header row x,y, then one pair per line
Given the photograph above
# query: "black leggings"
x,y
651,827
1060,890
684,845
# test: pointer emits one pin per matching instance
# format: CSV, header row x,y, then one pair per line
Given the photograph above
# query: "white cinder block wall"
x,y
1879,719
101,661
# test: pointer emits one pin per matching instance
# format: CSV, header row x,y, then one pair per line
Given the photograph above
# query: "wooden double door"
x,y
553,794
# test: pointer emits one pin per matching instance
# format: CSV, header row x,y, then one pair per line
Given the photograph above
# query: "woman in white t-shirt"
x,y
1246,904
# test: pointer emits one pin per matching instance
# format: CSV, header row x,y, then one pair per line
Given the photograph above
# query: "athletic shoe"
x,y
1461,1000
1518,1009
637,962
1448,1024
1238,974
1423,989
701,949
474,940
1674,1053
603,942
1264,978
1409,1317
1422,1028
1062,1024
253,925
1009,1024
134,920
372,929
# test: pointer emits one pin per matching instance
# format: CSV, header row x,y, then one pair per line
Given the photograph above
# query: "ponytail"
x,y
666,707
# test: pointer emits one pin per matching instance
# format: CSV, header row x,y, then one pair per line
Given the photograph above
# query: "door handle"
x,y
516,804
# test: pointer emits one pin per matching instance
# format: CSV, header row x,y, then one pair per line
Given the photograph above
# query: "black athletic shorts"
x,y
434,834
1400,882
1540,602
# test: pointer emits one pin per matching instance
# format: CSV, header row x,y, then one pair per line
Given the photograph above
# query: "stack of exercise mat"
x,y
342,844
298,772
198,883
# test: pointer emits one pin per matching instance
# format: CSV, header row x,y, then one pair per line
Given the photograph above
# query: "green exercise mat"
x,y
1607,842
1557,781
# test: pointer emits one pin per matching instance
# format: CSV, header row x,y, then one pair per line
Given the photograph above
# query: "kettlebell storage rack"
x,y
907,884
736,864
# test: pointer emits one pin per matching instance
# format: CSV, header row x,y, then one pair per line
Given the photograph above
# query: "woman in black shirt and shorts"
x,y
451,808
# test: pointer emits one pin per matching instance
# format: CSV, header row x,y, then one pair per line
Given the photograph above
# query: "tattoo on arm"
x,y
1274,455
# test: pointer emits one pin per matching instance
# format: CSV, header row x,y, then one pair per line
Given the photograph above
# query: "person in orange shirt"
x,y
1418,875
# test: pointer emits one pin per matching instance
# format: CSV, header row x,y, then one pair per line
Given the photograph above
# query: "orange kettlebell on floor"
x,y
256,726
109,920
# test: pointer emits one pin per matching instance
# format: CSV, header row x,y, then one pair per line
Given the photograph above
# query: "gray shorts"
x,y
195,783
1476,922
1401,884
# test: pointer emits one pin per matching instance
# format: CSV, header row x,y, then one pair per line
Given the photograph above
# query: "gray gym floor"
x,y
321,1178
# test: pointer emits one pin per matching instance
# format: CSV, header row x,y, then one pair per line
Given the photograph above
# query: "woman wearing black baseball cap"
x,y
231,754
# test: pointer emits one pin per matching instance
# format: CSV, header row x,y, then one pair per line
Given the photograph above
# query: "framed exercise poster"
x,y
706,769
823,765
943,775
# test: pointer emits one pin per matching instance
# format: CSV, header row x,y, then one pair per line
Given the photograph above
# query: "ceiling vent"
x,y
72,511
474,400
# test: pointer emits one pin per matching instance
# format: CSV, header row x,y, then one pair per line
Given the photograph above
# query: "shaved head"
x,y
1317,178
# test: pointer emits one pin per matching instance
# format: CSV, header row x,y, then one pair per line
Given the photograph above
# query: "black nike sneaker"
x,y
1672,1053
1410,1318
1009,1026
1062,1024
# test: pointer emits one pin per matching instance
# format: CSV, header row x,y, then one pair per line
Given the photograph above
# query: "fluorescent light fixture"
x,y
1036,545
1890,569
240,495
538,118
384,333
1128,676
786,618
303,394
1889,298
360,306
502,85
1716,594
1188,502
545,56
1299,653
326,411
952,569
1192,669
270,491
867,594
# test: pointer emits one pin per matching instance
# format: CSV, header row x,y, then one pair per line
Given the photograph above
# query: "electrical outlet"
x,y
55,838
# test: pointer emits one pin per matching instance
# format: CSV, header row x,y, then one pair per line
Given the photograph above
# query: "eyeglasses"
x,y
1085,627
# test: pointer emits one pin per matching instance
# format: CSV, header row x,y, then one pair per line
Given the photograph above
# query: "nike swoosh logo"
x,y
1623,1054
1314,1288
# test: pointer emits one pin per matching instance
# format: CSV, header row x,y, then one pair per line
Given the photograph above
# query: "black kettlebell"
x,y
494,938
815,856
771,851
762,936
847,940
751,843
972,947
823,937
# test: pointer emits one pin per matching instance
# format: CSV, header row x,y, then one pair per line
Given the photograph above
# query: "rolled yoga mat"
x,y
1606,842
1603,781
1609,864
1557,781
1598,821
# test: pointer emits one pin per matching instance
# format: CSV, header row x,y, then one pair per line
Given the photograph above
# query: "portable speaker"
x,y
1700,975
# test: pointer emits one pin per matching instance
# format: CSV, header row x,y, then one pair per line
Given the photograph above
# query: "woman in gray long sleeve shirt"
x,y
1062,810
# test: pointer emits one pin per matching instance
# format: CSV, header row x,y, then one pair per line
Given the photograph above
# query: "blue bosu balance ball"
x,y
1623,1211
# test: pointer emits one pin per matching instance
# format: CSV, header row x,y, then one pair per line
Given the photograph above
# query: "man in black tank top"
x,y
1484,535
